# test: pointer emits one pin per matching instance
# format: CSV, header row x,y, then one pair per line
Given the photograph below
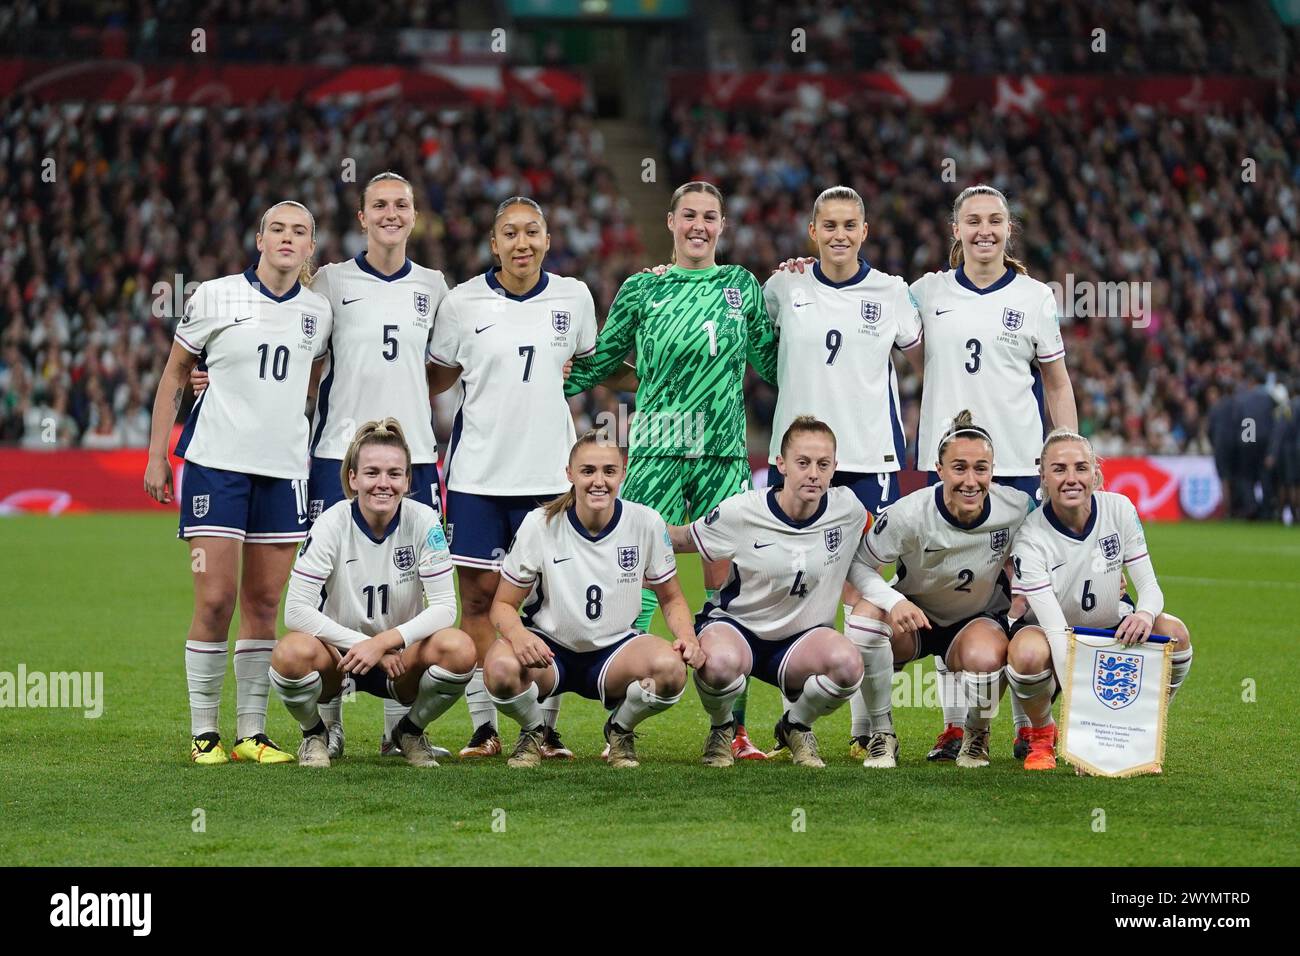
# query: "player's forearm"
x,y
441,377
166,405
301,614
872,586
596,369
440,612
1150,598
507,621
624,379
678,617
1058,393
682,539
1047,611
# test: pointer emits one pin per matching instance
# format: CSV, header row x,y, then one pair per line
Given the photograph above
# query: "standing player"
x,y
1070,557
790,551
993,345
693,327
949,544
506,335
244,488
580,562
356,604
837,324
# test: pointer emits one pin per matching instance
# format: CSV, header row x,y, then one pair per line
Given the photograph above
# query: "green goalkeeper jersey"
x,y
693,330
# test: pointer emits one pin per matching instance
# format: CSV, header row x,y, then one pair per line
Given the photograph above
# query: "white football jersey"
x,y
513,430
980,346
786,576
1084,572
833,360
586,590
259,350
948,570
370,585
375,364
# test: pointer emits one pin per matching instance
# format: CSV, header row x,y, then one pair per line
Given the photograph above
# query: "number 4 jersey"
x,y
786,574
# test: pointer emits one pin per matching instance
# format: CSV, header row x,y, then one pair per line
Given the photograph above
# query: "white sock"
x,y
871,706
1180,662
848,613
523,708
551,710
394,711
481,709
439,689
717,703
821,696
1018,714
1034,692
301,696
205,673
332,711
252,686
639,703
950,694
983,691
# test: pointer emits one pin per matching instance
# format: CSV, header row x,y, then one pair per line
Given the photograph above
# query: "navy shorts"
x,y
1030,484
480,528
252,508
876,490
325,486
769,656
939,637
581,672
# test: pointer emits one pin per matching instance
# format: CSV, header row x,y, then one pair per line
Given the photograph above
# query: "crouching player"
x,y
579,562
1069,560
949,543
774,618
356,604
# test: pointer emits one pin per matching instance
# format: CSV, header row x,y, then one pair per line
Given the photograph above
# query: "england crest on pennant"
x,y
628,557
1012,319
834,536
1110,547
404,558
560,321
1116,678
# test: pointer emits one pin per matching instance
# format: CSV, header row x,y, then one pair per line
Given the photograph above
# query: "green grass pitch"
x,y
112,594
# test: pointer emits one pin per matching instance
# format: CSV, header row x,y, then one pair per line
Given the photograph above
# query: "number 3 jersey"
x,y
259,350
980,346
786,575
949,570
585,588
1075,579
347,585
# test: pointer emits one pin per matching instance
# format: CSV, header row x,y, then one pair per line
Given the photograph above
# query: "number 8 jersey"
x,y
259,350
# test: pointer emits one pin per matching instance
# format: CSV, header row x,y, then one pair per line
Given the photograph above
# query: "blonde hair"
x,y
595,436
388,433
1055,437
695,186
846,193
955,255
963,426
806,424
308,269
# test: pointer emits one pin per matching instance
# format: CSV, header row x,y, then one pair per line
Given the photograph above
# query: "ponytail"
x,y
963,425
955,255
596,436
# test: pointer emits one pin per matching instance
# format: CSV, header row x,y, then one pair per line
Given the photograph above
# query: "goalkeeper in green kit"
x,y
693,327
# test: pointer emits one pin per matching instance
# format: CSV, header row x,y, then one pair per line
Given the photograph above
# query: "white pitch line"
x,y
1231,582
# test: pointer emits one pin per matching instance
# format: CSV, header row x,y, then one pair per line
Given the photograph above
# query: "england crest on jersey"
x,y
732,296
404,558
1012,319
199,505
998,539
422,304
628,557
1116,678
1110,547
309,324
833,536
560,321
870,312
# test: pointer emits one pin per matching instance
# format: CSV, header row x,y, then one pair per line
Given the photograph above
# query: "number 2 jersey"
x,y
786,575
586,589
259,350
949,570
348,585
980,345
1076,579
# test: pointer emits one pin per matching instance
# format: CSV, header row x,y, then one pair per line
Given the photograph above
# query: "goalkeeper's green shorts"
x,y
683,489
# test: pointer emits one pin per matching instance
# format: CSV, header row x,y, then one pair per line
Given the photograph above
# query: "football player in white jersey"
x,y
949,543
790,551
356,604
383,306
243,492
579,563
1069,559
506,336
838,322
993,345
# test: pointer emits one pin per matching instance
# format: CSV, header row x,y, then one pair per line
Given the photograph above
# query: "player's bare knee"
x,y
668,673
1175,630
904,648
213,612
844,664
502,676
454,651
293,655
722,667
1028,653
